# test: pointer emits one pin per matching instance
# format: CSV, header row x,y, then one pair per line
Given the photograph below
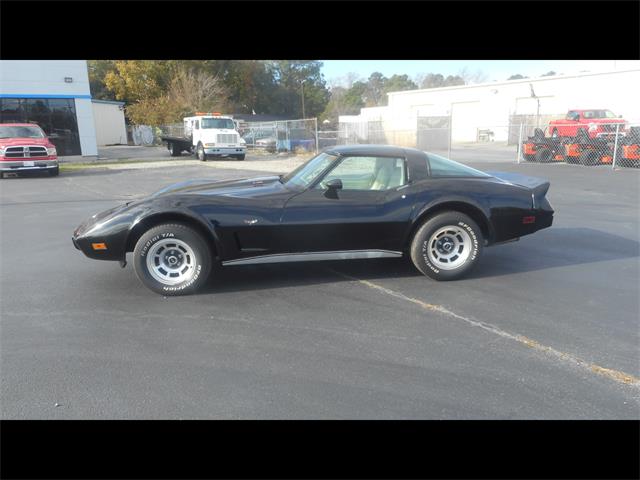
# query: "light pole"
x,y
533,95
302,87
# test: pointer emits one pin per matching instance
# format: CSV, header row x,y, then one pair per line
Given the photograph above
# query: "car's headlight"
x,y
209,144
52,151
2,151
593,126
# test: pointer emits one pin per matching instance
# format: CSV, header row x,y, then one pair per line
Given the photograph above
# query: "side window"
x,y
571,116
368,173
443,167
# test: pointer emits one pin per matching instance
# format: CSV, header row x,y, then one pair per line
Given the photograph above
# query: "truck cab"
x,y
25,147
213,134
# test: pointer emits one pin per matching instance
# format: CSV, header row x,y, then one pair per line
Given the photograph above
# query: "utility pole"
x,y
302,87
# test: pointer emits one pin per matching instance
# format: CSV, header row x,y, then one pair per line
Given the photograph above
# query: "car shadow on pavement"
x,y
284,275
555,247
551,248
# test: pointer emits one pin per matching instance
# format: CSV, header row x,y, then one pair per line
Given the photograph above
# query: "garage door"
x,y
465,119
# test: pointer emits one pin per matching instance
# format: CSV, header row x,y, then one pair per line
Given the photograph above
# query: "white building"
x,y
494,105
111,128
55,94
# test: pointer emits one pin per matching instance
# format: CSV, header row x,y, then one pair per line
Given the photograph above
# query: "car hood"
x,y
8,142
246,187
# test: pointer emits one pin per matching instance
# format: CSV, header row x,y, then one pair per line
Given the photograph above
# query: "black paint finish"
x,y
264,215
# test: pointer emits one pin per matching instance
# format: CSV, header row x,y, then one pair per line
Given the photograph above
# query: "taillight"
x,y
529,219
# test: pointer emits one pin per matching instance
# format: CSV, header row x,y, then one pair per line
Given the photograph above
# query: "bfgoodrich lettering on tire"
x,y
172,259
447,246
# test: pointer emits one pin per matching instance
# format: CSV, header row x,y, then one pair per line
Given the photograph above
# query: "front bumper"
x,y
609,134
22,165
108,227
225,150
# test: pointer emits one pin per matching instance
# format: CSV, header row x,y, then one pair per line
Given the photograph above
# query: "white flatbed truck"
x,y
207,135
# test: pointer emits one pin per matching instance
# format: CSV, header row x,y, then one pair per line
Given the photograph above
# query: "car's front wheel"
x,y
172,259
447,246
202,156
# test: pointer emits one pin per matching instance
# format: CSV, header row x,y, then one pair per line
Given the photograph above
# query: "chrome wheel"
x,y
171,261
449,247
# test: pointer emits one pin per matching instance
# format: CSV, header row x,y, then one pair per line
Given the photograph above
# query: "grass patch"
x,y
121,161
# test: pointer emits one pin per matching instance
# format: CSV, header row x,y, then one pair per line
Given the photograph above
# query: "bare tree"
x,y
472,77
350,79
346,81
192,91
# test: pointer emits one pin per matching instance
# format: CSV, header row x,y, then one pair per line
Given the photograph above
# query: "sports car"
x,y
347,202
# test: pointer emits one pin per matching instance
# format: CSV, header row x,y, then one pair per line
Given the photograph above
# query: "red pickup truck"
x,y
25,147
595,123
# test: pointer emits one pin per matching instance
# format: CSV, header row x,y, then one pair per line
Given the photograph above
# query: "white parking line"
x,y
616,375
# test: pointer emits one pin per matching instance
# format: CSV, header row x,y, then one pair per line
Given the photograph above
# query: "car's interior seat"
x,y
382,178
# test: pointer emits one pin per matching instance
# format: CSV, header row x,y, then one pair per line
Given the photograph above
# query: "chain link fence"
x,y
282,136
293,136
614,144
523,139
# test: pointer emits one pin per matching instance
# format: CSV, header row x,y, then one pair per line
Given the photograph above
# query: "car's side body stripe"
x,y
314,256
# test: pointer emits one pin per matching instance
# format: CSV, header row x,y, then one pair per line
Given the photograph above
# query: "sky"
x,y
498,70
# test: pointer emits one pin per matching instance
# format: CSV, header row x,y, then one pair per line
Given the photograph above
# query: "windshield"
x,y
306,173
217,123
599,114
20,132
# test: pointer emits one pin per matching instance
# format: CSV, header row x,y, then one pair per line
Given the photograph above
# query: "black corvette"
x,y
360,201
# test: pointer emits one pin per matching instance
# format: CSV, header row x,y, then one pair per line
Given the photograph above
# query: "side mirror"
x,y
332,188
335,184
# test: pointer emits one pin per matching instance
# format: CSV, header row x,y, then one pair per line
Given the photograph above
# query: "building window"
x,y
56,116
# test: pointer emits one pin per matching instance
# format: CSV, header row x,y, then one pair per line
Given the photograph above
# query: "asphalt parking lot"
x,y
544,328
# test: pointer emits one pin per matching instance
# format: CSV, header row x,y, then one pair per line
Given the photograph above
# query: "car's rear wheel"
x,y
172,259
447,246
174,150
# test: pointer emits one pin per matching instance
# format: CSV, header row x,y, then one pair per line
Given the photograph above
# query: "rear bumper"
x,y
22,165
520,224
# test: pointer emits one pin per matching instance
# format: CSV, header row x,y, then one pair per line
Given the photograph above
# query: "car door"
x,y
369,212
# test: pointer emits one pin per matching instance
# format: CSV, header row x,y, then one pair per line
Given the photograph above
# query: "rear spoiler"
x,y
538,186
